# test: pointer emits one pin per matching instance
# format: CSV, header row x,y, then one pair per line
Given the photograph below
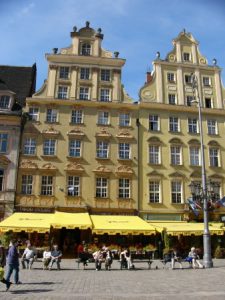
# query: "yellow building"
x,y
169,131
79,148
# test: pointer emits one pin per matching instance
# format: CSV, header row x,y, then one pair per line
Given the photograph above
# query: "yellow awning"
x,y
185,228
123,225
71,220
28,222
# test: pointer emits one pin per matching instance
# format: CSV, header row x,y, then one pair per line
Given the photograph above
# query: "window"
x,y
174,124
27,183
212,127
3,142
85,73
214,157
62,92
105,95
153,123
208,102
86,49
75,148
124,151
170,77
172,99
47,185
194,156
187,79
64,72
29,146
77,117
175,155
192,125
124,119
189,100
154,154
154,192
101,187
1,180
73,186
52,115
4,101
103,118
176,192
49,147
105,75
84,93
124,188
34,113
206,81
102,149
186,56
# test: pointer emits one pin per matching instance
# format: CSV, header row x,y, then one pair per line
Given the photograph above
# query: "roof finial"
x,y
74,28
214,61
184,30
87,24
157,55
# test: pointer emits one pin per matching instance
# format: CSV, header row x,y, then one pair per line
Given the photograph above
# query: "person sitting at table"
x,y
98,257
28,257
46,258
56,255
127,256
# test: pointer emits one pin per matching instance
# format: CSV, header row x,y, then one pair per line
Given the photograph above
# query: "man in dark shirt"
x,y
2,265
56,255
13,262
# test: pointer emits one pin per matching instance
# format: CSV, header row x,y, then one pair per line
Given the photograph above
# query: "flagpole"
x,y
207,257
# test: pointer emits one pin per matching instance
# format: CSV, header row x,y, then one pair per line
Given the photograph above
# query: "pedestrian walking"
x,y
2,265
12,262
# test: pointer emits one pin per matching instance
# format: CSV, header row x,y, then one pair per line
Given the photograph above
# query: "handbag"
x,y
1,273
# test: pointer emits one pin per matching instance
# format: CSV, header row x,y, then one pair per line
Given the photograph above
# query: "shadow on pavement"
x,y
30,291
42,282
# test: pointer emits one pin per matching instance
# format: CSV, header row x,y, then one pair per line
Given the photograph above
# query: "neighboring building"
x,y
79,150
169,131
16,83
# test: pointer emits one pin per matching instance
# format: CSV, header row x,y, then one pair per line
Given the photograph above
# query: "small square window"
x,y
186,56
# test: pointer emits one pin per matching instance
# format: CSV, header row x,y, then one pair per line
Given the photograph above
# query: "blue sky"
x,y
135,28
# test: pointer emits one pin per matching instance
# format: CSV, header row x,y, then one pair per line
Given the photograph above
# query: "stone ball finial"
x,y
158,55
55,50
214,61
74,29
87,24
99,30
116,54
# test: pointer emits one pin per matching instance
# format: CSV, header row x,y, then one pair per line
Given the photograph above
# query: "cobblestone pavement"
x,y
71,283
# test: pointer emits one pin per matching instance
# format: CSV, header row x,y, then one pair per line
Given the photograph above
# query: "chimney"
x,y
148,77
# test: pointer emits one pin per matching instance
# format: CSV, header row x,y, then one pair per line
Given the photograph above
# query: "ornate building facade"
x,y
79,148
169,131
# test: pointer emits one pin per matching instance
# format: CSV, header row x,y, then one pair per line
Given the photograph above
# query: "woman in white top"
x,y
46,258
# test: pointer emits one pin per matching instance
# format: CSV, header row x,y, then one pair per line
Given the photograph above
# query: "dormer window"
x,y
4,101
186,56
86,49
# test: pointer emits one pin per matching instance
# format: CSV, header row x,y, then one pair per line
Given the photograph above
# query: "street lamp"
x,y
202,190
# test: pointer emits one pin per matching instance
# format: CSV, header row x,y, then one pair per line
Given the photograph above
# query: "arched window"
x,y
86,49
1,179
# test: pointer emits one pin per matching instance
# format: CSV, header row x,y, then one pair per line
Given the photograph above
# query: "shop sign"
x,y
35,209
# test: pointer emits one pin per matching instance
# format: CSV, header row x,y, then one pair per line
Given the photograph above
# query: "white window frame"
x,y
5,101
47,185
75,148
34,113
176,155
174,124
73,186
193,125
171,77
62,92
101,190
102,149
206,81
176,187
77,116
84,93
29,146
186,56
103,118
154,154
105,95
214,156
124,188
49,147
85,49
124,150
105,75
172,99
155,121
212,127
84,73
194,156
4,140
64,72
27,184
154,191
52,115
124,119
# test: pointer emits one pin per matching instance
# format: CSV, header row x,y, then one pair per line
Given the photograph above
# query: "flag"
x,y
221,202
193,206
